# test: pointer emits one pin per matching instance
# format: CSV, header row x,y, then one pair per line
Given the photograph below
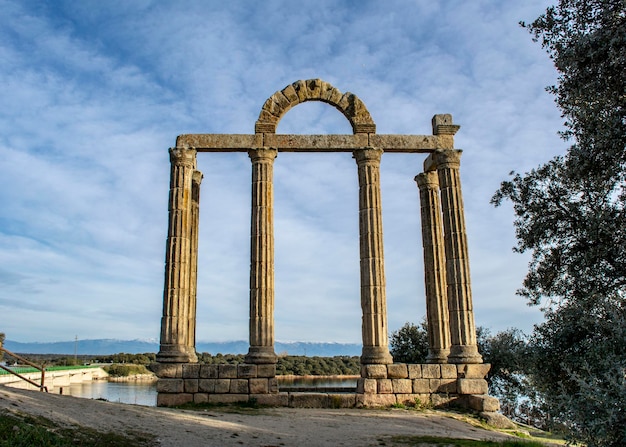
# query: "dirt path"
x,y
260,428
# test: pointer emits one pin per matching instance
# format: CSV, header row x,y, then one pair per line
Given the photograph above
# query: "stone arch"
x,y
314,90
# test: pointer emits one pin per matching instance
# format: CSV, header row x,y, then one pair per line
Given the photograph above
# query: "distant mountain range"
x,y
111,346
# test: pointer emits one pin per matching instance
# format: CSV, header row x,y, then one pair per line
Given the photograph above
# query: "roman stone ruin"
x,y
454,373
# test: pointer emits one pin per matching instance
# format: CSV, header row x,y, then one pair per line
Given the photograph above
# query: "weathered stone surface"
x,y
385,386
191,371
259,386
273,400
440,400
375,400
206,385
267,370
497,420
273,385
374,371
443,386
191,385
222,386
472,386
308,400
421,386
246,371
473,371
483,403
209,371
200,398
431,371
449,371
167,370
415,371
370,385
239,386
227,371
172,400
347,400
397,371
402,386
170,386
227,398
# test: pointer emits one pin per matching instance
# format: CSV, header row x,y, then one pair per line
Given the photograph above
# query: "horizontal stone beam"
x,y
313,143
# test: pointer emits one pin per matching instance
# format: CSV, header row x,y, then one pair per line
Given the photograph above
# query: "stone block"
x,y
259,386
343,400
497,420
483,403
402,386
448,386
266,370
439,400
308,400
421,386
227,371
415,371
431,371
397,371
239,386
449,371
385,386
191,371
206,385
222,386
167,370
227,398
170,386
370,386
374,371
200,398
273,385
246,371
472,386
191,385
172,400
208,371
473,371
272,400
375,400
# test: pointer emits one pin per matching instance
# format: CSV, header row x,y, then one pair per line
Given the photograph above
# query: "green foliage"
x,y
409,344
318,366
125,370
571,215
456,442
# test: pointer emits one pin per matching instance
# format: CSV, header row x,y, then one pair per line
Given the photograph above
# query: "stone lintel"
x,y
312,143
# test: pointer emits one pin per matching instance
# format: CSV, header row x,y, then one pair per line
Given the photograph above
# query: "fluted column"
x,y
434,269
373,300
462,327
175,320
262,258
196,180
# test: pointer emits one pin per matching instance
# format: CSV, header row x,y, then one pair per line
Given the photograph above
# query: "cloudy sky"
x,y
94,93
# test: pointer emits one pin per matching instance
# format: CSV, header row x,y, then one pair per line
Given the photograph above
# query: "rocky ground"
x,y
264,427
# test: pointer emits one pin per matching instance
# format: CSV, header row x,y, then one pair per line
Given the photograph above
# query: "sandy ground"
x,y
262,427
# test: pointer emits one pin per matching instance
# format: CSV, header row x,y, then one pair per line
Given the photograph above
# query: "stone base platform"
x,y
435,385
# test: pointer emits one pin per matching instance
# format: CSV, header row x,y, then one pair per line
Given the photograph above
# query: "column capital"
x,y
183,156
367,154
443,158
263,154
428,180
197,177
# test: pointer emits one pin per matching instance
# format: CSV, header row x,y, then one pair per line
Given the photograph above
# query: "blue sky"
x,y
95,92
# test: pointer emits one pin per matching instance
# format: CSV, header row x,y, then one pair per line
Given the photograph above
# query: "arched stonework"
x,y
314,90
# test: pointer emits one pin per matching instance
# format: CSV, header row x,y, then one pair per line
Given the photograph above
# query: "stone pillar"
x,y
434,269
175,320
373,300
462,327
196,180
262,258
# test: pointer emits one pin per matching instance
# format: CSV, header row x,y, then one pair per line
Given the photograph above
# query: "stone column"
x,y
434,269
262,258
175,320
196,180
462,327
373,300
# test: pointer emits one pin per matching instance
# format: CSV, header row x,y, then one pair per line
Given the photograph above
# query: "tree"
x,y
409,344
570,215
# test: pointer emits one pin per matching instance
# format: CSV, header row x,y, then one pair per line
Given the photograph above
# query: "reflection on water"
x,y
136,393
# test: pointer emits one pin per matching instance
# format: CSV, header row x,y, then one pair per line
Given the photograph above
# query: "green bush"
x,y
125,370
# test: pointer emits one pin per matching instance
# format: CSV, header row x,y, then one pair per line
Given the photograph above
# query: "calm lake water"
x,y
138,393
